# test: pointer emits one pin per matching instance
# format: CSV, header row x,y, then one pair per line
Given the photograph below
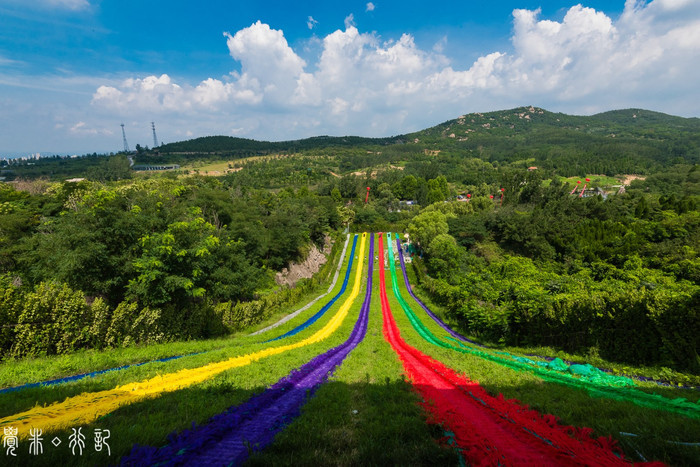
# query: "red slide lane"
x,y
490,430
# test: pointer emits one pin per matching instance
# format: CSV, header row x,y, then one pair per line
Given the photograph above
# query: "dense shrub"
x,y
54,320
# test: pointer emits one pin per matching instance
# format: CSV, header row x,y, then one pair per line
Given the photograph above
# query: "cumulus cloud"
x,y
364,84
370,6
150,93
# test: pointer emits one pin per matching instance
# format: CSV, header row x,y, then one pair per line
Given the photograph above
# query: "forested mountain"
x,y
232,145
623,141
620,141
531,121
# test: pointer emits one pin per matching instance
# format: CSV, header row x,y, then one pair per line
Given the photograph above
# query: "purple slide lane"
x,y
444,326
228,437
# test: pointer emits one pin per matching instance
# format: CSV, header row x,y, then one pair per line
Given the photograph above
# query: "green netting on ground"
x,y
593,380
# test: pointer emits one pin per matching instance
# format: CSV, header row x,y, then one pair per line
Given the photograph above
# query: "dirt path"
x,y
627,179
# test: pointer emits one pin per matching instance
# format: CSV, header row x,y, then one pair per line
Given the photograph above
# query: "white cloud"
x,y
439,46
311,22
370,6
150,93
364,84
9,62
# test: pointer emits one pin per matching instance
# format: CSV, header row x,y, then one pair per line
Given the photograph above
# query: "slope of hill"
x,y
623,141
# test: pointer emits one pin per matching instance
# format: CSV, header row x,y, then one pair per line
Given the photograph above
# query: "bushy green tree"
x,y
426,226
444,257
11,304
111,168
187,261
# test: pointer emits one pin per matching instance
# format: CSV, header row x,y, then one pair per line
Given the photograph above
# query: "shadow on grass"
x,y
148,422
370,422
657,431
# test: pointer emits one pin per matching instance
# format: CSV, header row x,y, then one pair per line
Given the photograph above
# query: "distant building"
x,y
532,168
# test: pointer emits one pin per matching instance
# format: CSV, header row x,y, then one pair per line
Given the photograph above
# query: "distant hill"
x,y
232,145
532,119
642,117
621,141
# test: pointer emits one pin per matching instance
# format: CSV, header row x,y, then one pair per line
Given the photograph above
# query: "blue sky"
x,y
72,70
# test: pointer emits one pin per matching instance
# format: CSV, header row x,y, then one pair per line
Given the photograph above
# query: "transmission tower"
x,y
155,140
126,145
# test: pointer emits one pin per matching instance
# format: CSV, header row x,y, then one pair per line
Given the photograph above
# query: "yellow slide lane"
x,y
85,408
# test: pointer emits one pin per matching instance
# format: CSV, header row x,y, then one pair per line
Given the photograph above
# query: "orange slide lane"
x,y
490,430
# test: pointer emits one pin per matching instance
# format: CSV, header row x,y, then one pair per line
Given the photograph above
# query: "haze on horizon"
x,y
72,70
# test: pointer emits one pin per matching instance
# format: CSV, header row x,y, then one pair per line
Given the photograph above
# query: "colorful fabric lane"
x,y
592,383
87,407
70,379
325,308
225,438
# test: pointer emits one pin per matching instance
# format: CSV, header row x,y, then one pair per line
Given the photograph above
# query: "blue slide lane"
x,y
325,308
69,379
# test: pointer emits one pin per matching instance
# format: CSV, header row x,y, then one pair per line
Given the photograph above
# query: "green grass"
x,y
596,180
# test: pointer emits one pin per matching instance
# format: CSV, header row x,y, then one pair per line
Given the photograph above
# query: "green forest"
x,y
121,258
